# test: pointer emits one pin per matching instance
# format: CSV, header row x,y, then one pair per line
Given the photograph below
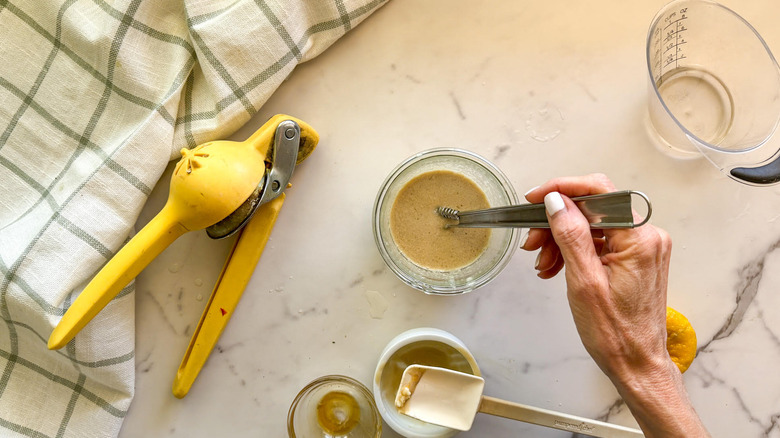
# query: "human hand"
x,y
616,279
616,286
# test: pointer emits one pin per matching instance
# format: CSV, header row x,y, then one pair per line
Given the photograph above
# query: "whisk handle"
x,y
608,210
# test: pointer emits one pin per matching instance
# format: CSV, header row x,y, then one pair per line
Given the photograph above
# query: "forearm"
x,y
658,400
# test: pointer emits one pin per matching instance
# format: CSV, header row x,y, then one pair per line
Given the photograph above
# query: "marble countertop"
x,y
542,89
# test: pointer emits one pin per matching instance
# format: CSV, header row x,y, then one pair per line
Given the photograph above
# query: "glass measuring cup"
x,y
714,90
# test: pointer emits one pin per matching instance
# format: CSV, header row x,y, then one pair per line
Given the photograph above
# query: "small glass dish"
x,y
334,406
500,247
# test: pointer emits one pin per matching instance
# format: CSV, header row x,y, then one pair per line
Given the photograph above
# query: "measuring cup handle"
x,y
765,175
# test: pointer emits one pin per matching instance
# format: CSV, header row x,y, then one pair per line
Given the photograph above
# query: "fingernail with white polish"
x,y
526,193
553,202
538,259
523,239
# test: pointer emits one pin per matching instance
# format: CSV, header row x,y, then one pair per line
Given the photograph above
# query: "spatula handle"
x,y
556,420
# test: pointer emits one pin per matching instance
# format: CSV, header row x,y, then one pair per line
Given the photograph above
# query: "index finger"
x,y
572,186
593,184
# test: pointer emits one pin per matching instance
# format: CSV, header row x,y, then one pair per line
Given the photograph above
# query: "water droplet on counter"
x,y
199,297
198,282
377,304
545,124
176,267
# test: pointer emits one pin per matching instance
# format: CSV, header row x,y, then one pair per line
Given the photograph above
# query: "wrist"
x,y
657,398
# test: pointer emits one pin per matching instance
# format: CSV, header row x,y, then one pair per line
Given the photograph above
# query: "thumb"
x,y
571,232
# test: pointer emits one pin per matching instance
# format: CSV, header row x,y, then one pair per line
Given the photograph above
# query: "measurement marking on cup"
x,y
672,40
669,40
676,46
675,21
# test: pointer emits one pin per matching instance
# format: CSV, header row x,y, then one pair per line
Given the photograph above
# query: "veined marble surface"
x,y
542,89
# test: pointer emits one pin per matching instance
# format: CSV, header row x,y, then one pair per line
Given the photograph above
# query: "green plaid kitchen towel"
x,y
96,97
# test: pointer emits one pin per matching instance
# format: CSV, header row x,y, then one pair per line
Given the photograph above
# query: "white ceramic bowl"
x,y
502,243
390,365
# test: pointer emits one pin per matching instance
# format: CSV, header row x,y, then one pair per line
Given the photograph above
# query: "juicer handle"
x,y
232,281
555,420
766,175
160,232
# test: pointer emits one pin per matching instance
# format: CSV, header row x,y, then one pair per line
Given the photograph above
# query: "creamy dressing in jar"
x,y
418,229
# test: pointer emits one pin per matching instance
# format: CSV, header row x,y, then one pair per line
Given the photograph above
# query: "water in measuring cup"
x,y
699,101
697,98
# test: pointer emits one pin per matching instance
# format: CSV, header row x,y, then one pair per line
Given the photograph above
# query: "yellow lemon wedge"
x,y
680,339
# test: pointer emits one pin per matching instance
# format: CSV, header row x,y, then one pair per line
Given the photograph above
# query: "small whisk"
x,y
448,213
608,210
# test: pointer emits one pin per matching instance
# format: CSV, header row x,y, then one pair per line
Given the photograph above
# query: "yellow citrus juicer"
x,y
223,186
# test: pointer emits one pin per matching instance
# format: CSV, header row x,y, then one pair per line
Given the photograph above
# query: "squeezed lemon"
x,y
680,339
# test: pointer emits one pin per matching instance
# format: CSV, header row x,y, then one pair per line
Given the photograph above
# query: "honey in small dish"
x,y
418,230
338,413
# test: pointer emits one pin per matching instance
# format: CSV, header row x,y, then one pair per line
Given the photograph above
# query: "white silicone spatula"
x,y
452,399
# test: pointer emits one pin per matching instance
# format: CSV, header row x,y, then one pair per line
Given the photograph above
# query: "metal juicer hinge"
x,y
284,152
